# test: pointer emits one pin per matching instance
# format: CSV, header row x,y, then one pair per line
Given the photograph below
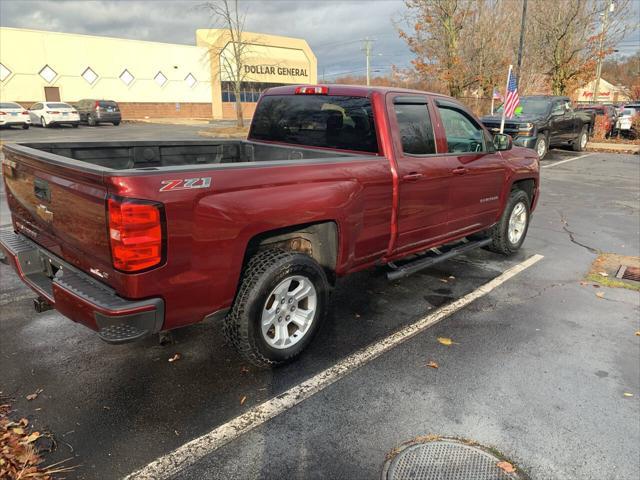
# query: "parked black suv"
x,y
94,111
544,121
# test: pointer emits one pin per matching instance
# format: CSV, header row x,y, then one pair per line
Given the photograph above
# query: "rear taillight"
x,y
53,112
74,111
312,90
135,233
97,106
3,113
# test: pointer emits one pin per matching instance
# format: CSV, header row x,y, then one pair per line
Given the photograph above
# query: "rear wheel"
x,y
509,233
25,126
74,125
280,304
115,124
580,143
91,121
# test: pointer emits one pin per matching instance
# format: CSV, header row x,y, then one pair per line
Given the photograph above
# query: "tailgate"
x,y
60,204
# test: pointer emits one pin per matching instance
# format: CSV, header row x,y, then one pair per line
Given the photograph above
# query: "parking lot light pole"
x,y
605,19
521,47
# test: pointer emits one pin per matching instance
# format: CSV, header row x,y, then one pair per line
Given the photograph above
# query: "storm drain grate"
x,y
445,459
625,272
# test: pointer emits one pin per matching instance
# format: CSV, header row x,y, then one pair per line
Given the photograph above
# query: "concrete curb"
x,y
614,147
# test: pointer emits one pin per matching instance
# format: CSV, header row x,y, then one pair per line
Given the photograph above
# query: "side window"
x,y
558,108
416,131
37,106
463,134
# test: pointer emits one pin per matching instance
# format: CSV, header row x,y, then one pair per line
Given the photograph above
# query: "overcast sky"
x,y
334,29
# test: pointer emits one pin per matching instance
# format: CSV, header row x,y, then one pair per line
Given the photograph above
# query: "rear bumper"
x,y
15,121
78,296
108,117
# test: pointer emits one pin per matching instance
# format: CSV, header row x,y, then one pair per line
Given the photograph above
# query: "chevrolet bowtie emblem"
x,y
44,213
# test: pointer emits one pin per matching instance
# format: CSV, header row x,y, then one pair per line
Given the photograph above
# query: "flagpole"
x,y
493,99
506,93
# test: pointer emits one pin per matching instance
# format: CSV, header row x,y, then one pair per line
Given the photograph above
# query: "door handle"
x,y
412,177
459,171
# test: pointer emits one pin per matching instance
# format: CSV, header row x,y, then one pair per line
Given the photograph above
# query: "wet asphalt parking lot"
x,y
538,369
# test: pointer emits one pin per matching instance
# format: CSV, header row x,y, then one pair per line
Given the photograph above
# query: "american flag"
x,y
496,94
512,99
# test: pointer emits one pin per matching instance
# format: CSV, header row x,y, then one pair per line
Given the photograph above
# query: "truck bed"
x,y
157,154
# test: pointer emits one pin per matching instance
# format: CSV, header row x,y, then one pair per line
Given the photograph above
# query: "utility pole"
x,y
605,21
521,47
367,52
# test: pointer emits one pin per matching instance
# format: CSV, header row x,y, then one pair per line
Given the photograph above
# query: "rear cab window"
x,y
327,121
9,105
414,125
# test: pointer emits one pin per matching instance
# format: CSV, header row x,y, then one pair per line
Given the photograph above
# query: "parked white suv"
x,y
13,114
46,114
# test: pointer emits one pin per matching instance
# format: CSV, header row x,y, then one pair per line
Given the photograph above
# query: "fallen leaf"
x,y
600,294
20,430
244,370
506,467
595,286
451,277
627,394
242,400
445,341
23,421
175,358
444,280
33,437
638,333
584,283
357,315
604,274
34,395
432,364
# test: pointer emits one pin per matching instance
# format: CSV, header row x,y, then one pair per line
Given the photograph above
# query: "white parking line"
x,y
189,453
567,160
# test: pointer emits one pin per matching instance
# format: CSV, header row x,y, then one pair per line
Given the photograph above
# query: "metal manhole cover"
x,y
445,459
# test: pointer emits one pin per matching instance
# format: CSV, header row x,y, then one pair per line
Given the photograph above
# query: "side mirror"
x,y
502,142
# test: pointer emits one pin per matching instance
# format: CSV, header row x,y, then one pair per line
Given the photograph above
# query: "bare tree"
x,y
464,43
232,57
569,39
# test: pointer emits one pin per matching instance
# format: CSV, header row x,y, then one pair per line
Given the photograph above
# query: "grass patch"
x,y
605,267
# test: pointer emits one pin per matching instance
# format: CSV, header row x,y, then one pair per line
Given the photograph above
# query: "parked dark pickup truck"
x,y
132,238
545,121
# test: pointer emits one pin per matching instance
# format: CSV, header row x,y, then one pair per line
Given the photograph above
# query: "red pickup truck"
x,y
134,238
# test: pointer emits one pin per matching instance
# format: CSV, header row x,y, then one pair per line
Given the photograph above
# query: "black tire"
x,y
580,143
264,271
74,125
115,124
91,121
500,231
542,145
43,123
25,126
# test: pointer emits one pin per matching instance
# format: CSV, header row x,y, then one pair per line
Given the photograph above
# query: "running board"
x,y
426,262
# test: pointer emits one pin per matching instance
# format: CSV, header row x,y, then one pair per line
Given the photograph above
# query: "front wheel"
x,y
542,145
280,304
43,123
509,233
74,125
580,143
115,124
25,126
91,121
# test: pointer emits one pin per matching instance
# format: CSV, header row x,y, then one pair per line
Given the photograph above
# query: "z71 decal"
x,y
185,184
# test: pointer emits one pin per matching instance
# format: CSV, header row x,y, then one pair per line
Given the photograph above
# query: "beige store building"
x,y
149,79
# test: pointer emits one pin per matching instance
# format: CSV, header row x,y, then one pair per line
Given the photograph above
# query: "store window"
x,y
250,91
